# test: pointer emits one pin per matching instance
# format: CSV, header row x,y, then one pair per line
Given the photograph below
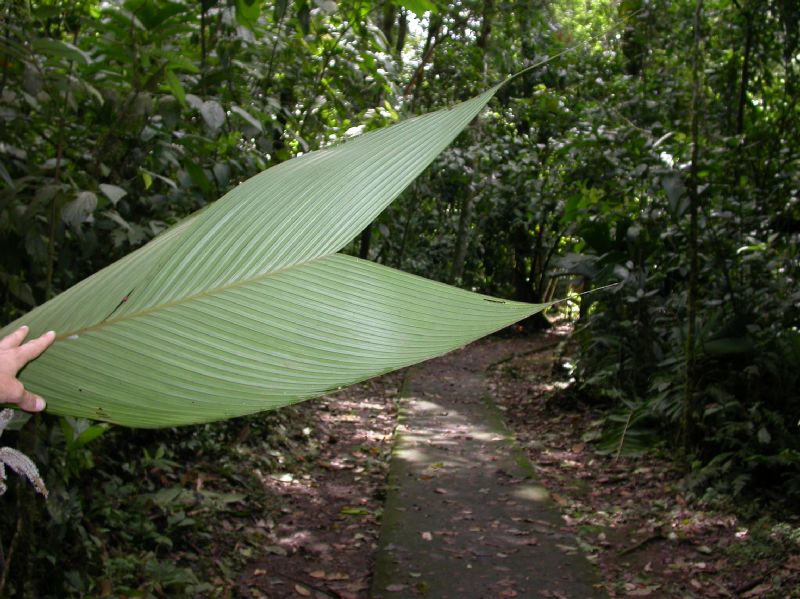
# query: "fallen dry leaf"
x,y
642,592
759,590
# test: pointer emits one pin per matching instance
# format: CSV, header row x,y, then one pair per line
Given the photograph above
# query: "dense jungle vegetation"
x,y
659,150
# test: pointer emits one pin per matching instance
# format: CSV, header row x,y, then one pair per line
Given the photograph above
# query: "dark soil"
x,y
322,544
634,518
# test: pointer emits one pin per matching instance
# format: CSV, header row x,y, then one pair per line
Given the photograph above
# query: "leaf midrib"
x,y
185,299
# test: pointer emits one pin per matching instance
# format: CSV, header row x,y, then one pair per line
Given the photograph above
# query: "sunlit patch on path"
x,y
465,517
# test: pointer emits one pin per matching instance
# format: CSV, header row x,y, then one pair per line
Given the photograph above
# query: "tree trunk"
x,y
688,422
523,291
402,32
462,237
467,206
537,282
366,239
745,79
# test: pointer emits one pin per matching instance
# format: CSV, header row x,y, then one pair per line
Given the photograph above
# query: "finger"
x,y
14,339
33,349
31,402
11,390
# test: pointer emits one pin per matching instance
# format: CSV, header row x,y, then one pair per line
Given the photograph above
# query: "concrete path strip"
x,y
464,516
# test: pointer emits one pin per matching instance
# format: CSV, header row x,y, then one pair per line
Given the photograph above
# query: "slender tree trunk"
x,y
744,82
412,210
402,32
365,241
431,42
536,283
462,235
523,291
203,46
468,205
689,404
51,237
741,107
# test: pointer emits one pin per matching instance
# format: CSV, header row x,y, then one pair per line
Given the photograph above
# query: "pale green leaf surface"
x,y
297,211
304,208
261,343
90,301
244,306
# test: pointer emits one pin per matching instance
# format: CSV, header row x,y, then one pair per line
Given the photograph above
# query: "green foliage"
x,y
634,339
131,519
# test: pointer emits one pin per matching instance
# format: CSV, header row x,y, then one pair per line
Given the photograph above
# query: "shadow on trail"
x,y
465,517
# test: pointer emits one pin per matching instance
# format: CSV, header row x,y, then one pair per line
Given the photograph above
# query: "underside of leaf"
x,y
245,306
262,343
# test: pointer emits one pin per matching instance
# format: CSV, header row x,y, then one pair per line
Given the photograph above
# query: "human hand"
x,y
13,356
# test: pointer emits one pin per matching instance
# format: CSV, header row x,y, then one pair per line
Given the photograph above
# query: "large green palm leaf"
x,y
245,306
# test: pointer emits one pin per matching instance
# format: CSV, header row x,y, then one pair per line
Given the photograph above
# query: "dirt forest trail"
x,y
465,516
426,495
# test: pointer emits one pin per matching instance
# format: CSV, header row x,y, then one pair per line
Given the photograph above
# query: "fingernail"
x,y
26,327
53,333
39,404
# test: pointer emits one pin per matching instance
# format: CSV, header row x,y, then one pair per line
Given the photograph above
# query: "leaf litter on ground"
x,y
648,536
329,521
